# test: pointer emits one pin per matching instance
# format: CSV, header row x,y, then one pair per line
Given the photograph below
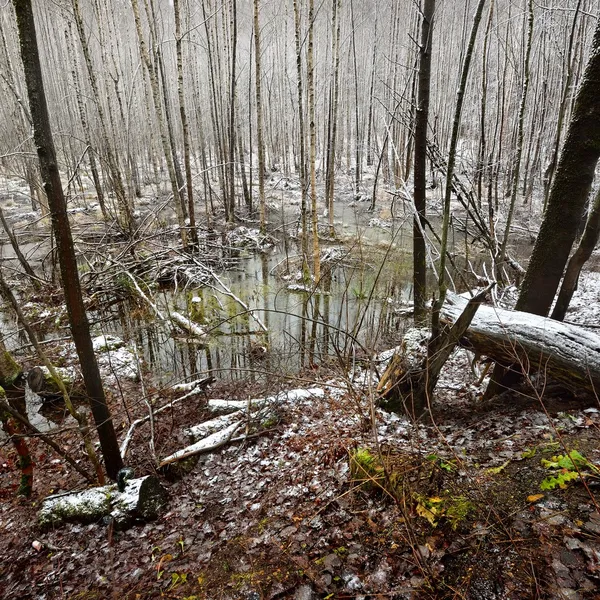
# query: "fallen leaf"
x,y
534,497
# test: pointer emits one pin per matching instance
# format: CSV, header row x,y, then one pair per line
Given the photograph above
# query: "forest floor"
x,y
447,508
336,498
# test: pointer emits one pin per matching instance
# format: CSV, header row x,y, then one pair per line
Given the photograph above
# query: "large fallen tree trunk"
x,y
565,353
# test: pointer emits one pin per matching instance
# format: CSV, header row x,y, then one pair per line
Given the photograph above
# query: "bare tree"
x,y
64,241
420,168
259,117
184,126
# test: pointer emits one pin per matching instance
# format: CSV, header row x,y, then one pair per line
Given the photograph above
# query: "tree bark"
x,y
451,162
566,353
580,256
302,136
259,119
184,126
420,165
62,233
312,128
161,122
569,193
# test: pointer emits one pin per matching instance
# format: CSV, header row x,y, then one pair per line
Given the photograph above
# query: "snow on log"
x,y
197,384
212,442
566,353
289,396
217,432
187,325
142,499
197,432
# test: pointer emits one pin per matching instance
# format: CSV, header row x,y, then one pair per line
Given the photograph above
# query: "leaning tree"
x,y
62,232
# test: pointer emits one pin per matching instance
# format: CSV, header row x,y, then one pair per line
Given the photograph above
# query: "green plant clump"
x,y
565,468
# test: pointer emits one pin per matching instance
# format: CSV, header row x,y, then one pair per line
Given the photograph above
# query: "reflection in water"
x,y
352,311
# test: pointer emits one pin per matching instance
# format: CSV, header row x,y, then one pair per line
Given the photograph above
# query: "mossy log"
x,y
565,353
141,500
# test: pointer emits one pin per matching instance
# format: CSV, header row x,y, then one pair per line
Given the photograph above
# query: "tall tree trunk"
x,y
584,250
333,115
259,119
420,165
302,136
357,133
562,109
64,241
184,127
371,94
85,125
519,142
451,161
310,67
161,123
123,202
232,101
569,193
169,123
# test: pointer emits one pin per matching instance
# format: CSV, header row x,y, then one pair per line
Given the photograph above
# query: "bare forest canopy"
x,y
95,55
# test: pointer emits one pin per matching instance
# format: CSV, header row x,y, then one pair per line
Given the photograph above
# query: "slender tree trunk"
x,y
562,108
302,136
85,126
519,148
371,94
184,127
451,162
358,134
171,136
483,152
124,203
333,115
420,166
310,67
259,119
64,241
161,124
232,100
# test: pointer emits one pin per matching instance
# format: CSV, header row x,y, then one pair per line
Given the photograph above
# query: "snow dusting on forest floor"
x,y
322,506
331,497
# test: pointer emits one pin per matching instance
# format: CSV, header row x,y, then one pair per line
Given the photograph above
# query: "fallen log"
x,y
212,435
565,353
140,500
